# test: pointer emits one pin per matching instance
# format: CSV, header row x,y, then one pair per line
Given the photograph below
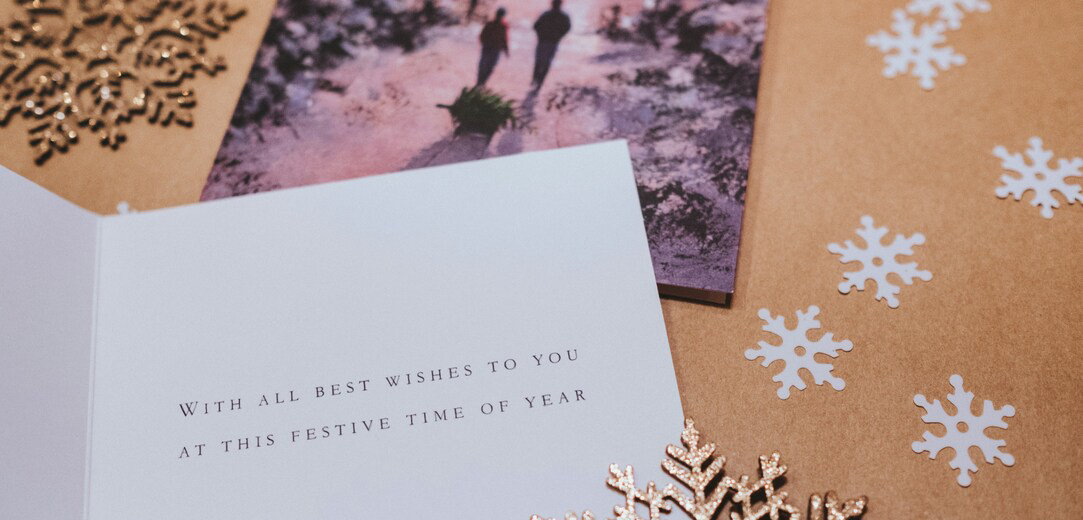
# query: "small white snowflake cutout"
x,y
964,430
878,261
797,351
1039,176
917,52
950,12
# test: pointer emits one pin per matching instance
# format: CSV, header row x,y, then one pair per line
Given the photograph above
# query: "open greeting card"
x,y
475,340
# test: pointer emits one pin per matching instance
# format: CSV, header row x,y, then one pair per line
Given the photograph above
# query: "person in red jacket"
x,y
494,40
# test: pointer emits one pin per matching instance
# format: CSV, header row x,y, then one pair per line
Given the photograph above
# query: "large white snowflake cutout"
x,y
797,351
964,430
878,261
1038,176
950,11
917,52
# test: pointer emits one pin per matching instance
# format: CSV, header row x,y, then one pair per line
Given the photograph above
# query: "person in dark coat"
x,y
494,40
551,26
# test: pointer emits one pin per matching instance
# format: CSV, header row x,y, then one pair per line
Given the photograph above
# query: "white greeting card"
x,y
478,340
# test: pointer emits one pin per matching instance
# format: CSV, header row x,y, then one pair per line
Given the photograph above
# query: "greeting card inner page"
x,y
483,338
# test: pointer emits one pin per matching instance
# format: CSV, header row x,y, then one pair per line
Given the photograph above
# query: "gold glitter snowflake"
x,y
697,468
67,65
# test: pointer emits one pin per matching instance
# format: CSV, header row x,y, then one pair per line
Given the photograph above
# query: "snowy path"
x,y
392,121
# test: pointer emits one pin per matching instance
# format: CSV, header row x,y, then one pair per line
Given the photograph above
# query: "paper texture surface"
x,y
47,265
835,140
289,294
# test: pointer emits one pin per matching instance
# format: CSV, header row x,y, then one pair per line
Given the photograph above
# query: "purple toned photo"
x,y
349,88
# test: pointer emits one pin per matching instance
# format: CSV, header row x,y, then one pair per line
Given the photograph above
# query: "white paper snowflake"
x,y
878,261
917,52
797,351
1038,176
964,430
950,12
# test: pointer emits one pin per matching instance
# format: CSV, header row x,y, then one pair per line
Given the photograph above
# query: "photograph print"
x,y
349,88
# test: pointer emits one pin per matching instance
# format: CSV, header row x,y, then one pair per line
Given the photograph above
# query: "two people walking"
x,y
550,28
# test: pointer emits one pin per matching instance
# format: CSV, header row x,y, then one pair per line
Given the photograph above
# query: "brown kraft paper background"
x,y
835,140
157,166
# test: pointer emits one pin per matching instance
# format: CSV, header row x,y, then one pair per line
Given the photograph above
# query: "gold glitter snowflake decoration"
x,y
699,470
67,65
